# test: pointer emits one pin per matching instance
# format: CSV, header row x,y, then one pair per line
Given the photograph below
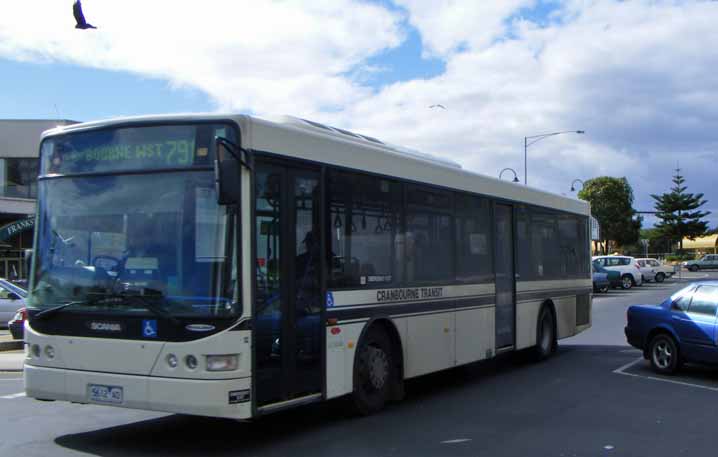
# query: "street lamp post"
x,y
573,189
536,139
516,178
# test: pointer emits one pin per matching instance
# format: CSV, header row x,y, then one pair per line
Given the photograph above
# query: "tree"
x,y
657,242
611,202
679,213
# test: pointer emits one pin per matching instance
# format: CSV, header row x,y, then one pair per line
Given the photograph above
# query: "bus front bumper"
x,y
216,398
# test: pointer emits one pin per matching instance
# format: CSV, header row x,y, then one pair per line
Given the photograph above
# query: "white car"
x,y
627,266
12,298
653,270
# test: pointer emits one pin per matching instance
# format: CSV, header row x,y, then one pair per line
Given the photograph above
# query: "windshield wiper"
x,y
154,308
44,314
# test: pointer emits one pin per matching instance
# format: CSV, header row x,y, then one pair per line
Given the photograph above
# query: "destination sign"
x,y
170,153
410,293
132,148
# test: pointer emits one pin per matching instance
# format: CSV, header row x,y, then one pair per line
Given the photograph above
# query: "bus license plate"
x,y
105,394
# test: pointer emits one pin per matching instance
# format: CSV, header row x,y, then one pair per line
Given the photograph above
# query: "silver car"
x,y
12,298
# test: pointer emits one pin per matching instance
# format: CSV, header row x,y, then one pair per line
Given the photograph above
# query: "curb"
x,y
11,345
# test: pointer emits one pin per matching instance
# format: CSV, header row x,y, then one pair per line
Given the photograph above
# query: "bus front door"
x,y
288,300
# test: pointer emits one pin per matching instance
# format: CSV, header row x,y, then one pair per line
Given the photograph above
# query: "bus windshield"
x,y
156,234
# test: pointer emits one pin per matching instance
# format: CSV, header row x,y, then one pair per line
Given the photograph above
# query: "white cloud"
x,y
448,25
639,77
251,55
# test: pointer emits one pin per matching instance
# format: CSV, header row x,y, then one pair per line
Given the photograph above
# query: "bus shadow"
x,y
279,434
179,435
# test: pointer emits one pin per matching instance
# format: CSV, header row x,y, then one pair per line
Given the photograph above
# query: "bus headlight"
x,y
50,352
35,350
227,362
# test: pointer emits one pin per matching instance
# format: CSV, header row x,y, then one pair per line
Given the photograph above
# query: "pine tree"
x,y
679,213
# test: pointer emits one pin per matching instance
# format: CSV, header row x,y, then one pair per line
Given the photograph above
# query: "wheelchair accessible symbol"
x,y
149,328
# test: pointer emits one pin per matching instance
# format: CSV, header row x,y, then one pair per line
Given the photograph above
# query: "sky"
x,y
638,77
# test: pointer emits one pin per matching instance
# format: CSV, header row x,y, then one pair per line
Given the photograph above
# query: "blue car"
x,y
681,329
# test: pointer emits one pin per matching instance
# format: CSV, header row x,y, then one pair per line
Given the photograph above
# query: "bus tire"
x,y
375,374
546,341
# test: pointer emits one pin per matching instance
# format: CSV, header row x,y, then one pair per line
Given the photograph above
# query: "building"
x,y
19,150
703,245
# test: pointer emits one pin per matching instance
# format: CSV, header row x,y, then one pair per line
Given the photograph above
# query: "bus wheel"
x,y
374,373
545,335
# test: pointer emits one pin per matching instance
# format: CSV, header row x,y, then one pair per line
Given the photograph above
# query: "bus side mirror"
x,y
227,170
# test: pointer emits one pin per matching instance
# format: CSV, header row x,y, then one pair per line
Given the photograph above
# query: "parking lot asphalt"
x,y
596,397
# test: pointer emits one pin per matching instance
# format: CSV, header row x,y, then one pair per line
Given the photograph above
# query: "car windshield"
x,y
159,234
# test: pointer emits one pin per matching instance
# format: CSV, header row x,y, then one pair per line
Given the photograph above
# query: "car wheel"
x,y
660,277
604,289
693,268
663,353
545,335
374,373
626,282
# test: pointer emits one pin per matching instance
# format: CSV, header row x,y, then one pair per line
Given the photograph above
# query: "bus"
x,y
231,266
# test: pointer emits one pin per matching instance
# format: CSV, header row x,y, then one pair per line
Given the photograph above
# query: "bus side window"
x,y
430,252
474,256
363,222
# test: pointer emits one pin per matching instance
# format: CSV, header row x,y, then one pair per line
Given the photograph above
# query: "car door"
x,y
695,322
615,264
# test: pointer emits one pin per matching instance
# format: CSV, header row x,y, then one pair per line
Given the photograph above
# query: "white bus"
x,y
231,266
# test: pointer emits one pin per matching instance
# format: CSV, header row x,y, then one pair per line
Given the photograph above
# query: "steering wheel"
x,y
115,260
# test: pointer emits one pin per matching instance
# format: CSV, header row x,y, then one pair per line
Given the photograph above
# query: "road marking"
x,y
10,397
653,378
627,366
458,440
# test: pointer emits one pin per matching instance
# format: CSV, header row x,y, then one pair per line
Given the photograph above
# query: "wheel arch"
x,y
389,327
657,331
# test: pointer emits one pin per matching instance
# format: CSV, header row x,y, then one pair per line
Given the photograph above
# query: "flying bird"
x,y
79,17
431,106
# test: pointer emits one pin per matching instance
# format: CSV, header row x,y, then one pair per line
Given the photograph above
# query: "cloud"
x,y
449,25
637,76
289,56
